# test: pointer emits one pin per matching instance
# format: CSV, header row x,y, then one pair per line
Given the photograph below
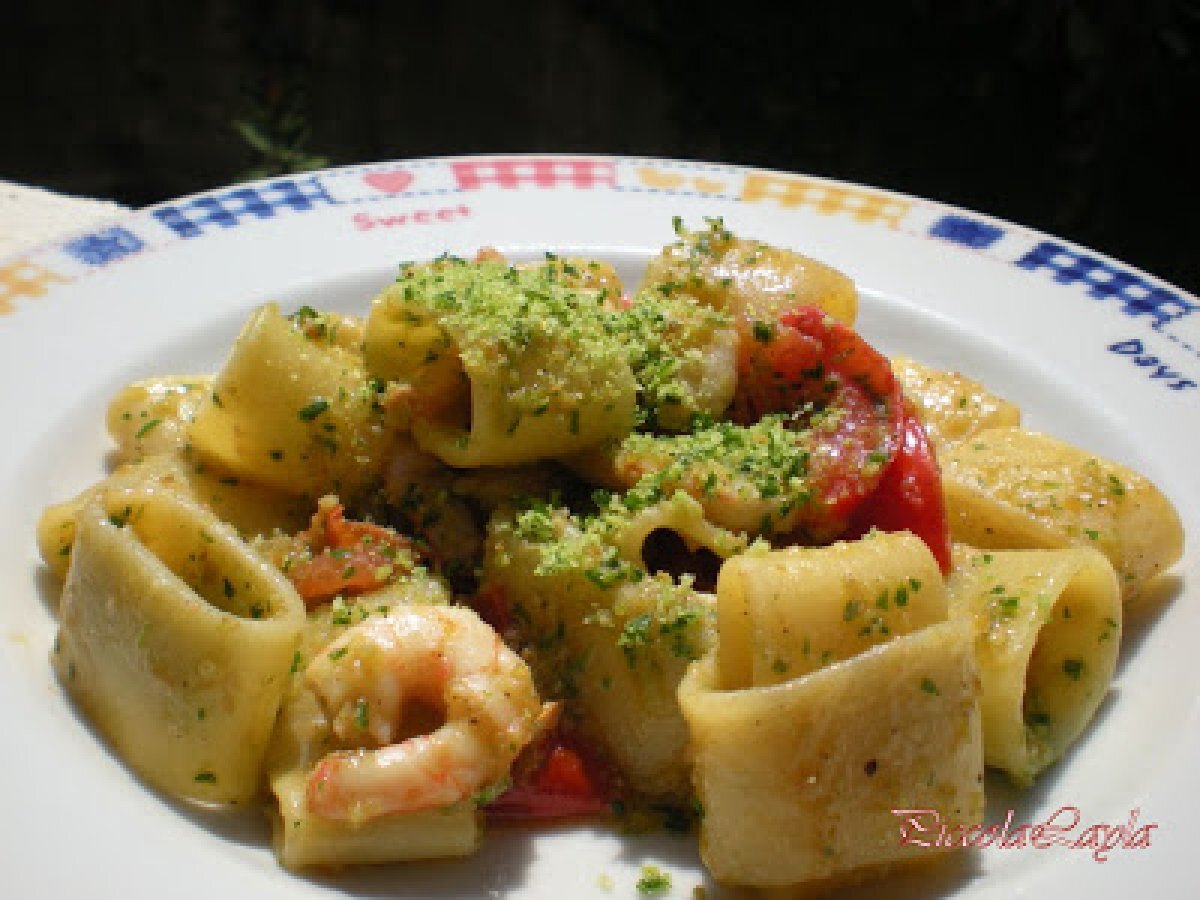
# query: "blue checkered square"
x,y
105,246
230,208
1104,281
969,232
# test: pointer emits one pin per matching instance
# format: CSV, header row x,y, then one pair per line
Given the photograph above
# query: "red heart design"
x,y
389,182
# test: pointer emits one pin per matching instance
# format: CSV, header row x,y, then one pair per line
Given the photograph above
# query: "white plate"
x,y
1096,352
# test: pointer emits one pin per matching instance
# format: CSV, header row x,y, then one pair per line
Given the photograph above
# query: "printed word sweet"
x,y
365,221
925,828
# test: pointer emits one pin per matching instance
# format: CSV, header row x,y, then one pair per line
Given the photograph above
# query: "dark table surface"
x,y
1062,116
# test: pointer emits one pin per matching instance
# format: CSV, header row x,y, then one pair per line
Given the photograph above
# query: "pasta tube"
x,y
612,639
747,278
296,414
951,406
304,839
1007,488
799,780
176,639
1047,626
837,693
152,416
250,508
789,612
505,366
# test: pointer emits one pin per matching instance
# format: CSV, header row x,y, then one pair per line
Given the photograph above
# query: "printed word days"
x,y
364,221
1156,370
1063,828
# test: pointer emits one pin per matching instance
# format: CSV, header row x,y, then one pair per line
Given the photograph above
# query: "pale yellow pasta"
x,y
332,329
748,278
580,272
799,780
706,371
1007,488
291,412
56,526
250,508
682,515
837,693
784,613
616,650
1047,627
487,397
951,406
152,416
176,639
303,839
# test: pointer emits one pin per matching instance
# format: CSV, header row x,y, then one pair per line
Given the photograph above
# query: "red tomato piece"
x,y
909,496
564,773
874,467
807,363
564,784
347,557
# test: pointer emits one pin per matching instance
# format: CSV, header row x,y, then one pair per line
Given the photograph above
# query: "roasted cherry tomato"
x,y
871,463
346,557
909,496
564,782
838,391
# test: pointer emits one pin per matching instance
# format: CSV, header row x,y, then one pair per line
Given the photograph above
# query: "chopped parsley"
x,y
653,881
634,636
552,344
312,410
147,428
362,714
767,461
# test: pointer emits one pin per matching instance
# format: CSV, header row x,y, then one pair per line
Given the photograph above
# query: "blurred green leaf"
x,y
277,130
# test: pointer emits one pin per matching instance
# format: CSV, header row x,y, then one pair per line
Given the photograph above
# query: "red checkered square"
x,y
551,172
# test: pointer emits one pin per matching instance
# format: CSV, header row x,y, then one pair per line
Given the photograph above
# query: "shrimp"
x,y
445,657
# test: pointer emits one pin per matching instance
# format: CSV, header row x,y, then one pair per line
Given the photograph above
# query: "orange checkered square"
x,y
827,199
23,278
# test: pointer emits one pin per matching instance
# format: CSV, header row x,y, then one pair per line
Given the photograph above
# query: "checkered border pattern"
x,y
473,174
825,198
103,247
1105,281
968,232
23,278
228,209
216,211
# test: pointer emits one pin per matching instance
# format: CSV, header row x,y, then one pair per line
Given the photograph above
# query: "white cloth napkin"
x,y
31,215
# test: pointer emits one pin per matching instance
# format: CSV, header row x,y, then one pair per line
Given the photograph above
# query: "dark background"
x,y
1067,116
